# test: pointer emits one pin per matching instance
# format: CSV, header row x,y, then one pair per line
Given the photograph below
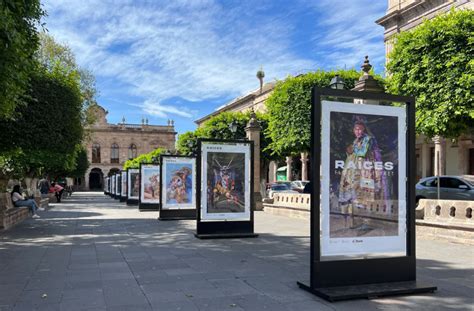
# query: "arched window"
x,y
114,153
132,151
95,153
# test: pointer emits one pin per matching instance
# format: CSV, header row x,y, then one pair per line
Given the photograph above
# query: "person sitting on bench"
x,y
19,200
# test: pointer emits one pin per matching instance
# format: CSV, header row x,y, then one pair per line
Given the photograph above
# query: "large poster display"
x,y
124,184
118,186
113,184
149,184
133,183
225,182
363,191
179,183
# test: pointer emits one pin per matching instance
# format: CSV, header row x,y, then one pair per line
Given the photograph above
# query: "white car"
x,y
279,187
298,185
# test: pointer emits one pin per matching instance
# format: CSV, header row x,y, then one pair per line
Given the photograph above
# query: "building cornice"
x,y
250,97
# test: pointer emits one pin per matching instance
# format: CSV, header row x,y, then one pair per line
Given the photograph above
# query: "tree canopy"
x,y
435,63
150,157
289,110
19,21
45,133
217,127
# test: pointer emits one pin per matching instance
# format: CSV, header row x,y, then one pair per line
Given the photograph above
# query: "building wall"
x,y
403,15
254,100
145,137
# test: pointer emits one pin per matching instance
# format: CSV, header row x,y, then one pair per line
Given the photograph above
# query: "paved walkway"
x,y
93,253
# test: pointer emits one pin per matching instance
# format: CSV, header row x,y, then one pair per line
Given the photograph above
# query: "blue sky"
x,y
181,60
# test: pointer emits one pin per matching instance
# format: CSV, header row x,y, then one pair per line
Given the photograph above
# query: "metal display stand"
x,y
348,278
223,228
144,206
181,213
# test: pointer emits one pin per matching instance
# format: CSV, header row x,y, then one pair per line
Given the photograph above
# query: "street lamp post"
x,y
233,128
337,83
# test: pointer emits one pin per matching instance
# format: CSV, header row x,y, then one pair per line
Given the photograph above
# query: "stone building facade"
x,y
253,100
403,15
110,145
437,155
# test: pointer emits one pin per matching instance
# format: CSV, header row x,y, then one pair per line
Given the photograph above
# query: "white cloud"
x,y
163,111
350,32
197,50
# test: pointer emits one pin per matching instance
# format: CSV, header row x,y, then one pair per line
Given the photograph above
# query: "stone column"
x,y
304,166
424,159
86,179
253,133
440,156
289,160
272,171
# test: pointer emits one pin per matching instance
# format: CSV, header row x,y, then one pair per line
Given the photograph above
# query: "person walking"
x,y
43,186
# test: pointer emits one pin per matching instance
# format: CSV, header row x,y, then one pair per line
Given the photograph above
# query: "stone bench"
x,y
9,214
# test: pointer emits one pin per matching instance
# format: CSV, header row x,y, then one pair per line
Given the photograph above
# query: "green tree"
x,y
47,130
150,157
59,60
435,62
289,110
81,163
19,21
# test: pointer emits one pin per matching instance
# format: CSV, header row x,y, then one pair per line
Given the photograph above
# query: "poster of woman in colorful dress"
x,y
363,194
179,189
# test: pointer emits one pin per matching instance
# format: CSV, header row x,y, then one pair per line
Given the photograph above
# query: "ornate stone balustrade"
x,y
448,211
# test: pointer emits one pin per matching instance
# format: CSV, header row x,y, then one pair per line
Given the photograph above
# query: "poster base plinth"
x,y
181,214
148,207
132,202
123,199
225,235
368,291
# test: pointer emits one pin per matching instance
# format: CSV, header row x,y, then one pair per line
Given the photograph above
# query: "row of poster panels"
x,y
225,182
143,185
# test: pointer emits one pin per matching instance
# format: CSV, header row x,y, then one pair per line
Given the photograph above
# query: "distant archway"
x,y
95,179
113,171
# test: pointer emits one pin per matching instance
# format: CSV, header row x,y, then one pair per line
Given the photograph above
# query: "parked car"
x,y
298,185
280,187
450,188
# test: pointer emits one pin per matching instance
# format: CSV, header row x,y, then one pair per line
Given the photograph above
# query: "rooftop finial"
x,y
366,66
260,76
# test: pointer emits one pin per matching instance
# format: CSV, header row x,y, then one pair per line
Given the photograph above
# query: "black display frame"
x,y
223,229
122,197
118,186
370,277
131,201
114,186
147,207
177,214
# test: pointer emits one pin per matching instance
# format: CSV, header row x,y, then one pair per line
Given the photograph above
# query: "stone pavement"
x,y
91,252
